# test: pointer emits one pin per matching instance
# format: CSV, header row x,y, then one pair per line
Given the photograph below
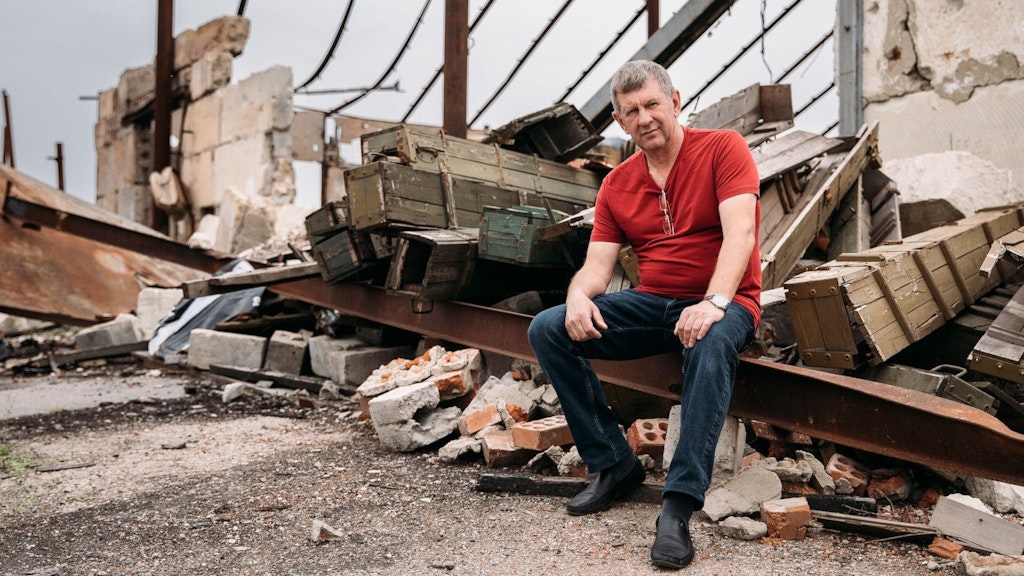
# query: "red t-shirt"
x,y
712,165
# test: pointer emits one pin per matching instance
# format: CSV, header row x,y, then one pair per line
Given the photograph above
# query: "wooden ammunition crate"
x,y
325,222
387,195
342,255
867,306
513,235
433,264
430,149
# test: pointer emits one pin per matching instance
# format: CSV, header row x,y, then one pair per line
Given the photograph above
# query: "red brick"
x,y
499,451
895,487
364,405
946,548
930,498
647,436
472,422
840,466
751,458
542,434
786,518
801,488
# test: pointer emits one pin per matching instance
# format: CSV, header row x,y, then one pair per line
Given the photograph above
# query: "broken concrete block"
x,y
257,106
504,394
974,564
183,44
381,380
124,329
425,429
456,383
787,469
501,451
224,34
245,222
572,464
728,451
205,236
401,404
971,501
1000,496
786,518
541,434
743,494
209,73
320,348
153,305
742,528
458,449
356,365
208,347
135,88
647,436
287,352
167,193
546,462
820,479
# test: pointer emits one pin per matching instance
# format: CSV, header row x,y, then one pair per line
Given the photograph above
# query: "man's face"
x,y
648,115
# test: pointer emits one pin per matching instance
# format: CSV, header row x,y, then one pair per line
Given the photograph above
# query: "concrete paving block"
x,y
124,329
321,346
287,352
208,347
353,367
402,404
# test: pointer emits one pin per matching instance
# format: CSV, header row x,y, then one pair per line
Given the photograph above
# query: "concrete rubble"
x,y
233,190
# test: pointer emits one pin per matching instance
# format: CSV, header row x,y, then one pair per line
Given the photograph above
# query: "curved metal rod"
x,y
330,51
391,68
440,69
741,53
589,69
522,60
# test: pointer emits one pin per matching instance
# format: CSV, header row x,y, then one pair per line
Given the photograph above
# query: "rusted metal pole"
x,y
8,157
59,158
653,17
164,67
456,65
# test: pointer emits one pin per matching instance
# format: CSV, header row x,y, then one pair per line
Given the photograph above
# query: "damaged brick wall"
x,y
234,147
944,79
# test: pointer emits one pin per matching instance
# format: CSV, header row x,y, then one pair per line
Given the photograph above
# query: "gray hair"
x,y
634,74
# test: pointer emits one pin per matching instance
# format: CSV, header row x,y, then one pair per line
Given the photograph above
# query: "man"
x,y
687,203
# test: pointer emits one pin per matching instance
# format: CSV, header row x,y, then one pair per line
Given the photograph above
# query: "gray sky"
x,y
54,51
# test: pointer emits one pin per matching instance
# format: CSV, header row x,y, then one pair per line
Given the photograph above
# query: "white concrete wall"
x,y
945,76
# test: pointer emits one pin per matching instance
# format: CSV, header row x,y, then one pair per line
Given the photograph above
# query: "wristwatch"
x,y
718,301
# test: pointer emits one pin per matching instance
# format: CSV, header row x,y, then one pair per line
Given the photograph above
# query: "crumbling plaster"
x,y
950,46
942,76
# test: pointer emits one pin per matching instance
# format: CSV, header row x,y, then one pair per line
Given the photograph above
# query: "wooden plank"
x,y
433,264
789,151
800,227
262,277
757,112
977,528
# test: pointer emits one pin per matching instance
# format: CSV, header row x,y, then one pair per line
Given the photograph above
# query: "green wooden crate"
x,y
388,195
430,149
513,235
340,256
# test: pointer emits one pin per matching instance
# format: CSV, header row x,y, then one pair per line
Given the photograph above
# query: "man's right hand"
x,y
583,318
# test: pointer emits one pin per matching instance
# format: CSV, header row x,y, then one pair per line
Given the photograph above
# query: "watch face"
x,y
719,301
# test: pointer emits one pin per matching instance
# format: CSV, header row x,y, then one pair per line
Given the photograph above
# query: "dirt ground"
x,y
197,486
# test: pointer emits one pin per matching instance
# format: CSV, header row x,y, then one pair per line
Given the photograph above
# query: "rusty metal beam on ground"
x,y
868,415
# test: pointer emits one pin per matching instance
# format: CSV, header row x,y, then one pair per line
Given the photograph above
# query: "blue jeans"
x,y
641,325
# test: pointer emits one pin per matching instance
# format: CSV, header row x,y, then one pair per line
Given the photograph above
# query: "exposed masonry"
x,y
951,47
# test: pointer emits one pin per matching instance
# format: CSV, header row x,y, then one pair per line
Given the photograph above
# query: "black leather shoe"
x,y
610,485
672,546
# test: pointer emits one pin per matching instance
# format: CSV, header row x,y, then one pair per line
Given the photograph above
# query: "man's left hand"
x,y
695,321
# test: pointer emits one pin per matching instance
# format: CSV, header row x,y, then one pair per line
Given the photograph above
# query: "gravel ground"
x,y
243,493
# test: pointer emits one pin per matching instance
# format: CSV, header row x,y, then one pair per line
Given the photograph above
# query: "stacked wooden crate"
x,y
865,307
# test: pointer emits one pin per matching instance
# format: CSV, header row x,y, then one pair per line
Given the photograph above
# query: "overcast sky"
x,y
53,52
